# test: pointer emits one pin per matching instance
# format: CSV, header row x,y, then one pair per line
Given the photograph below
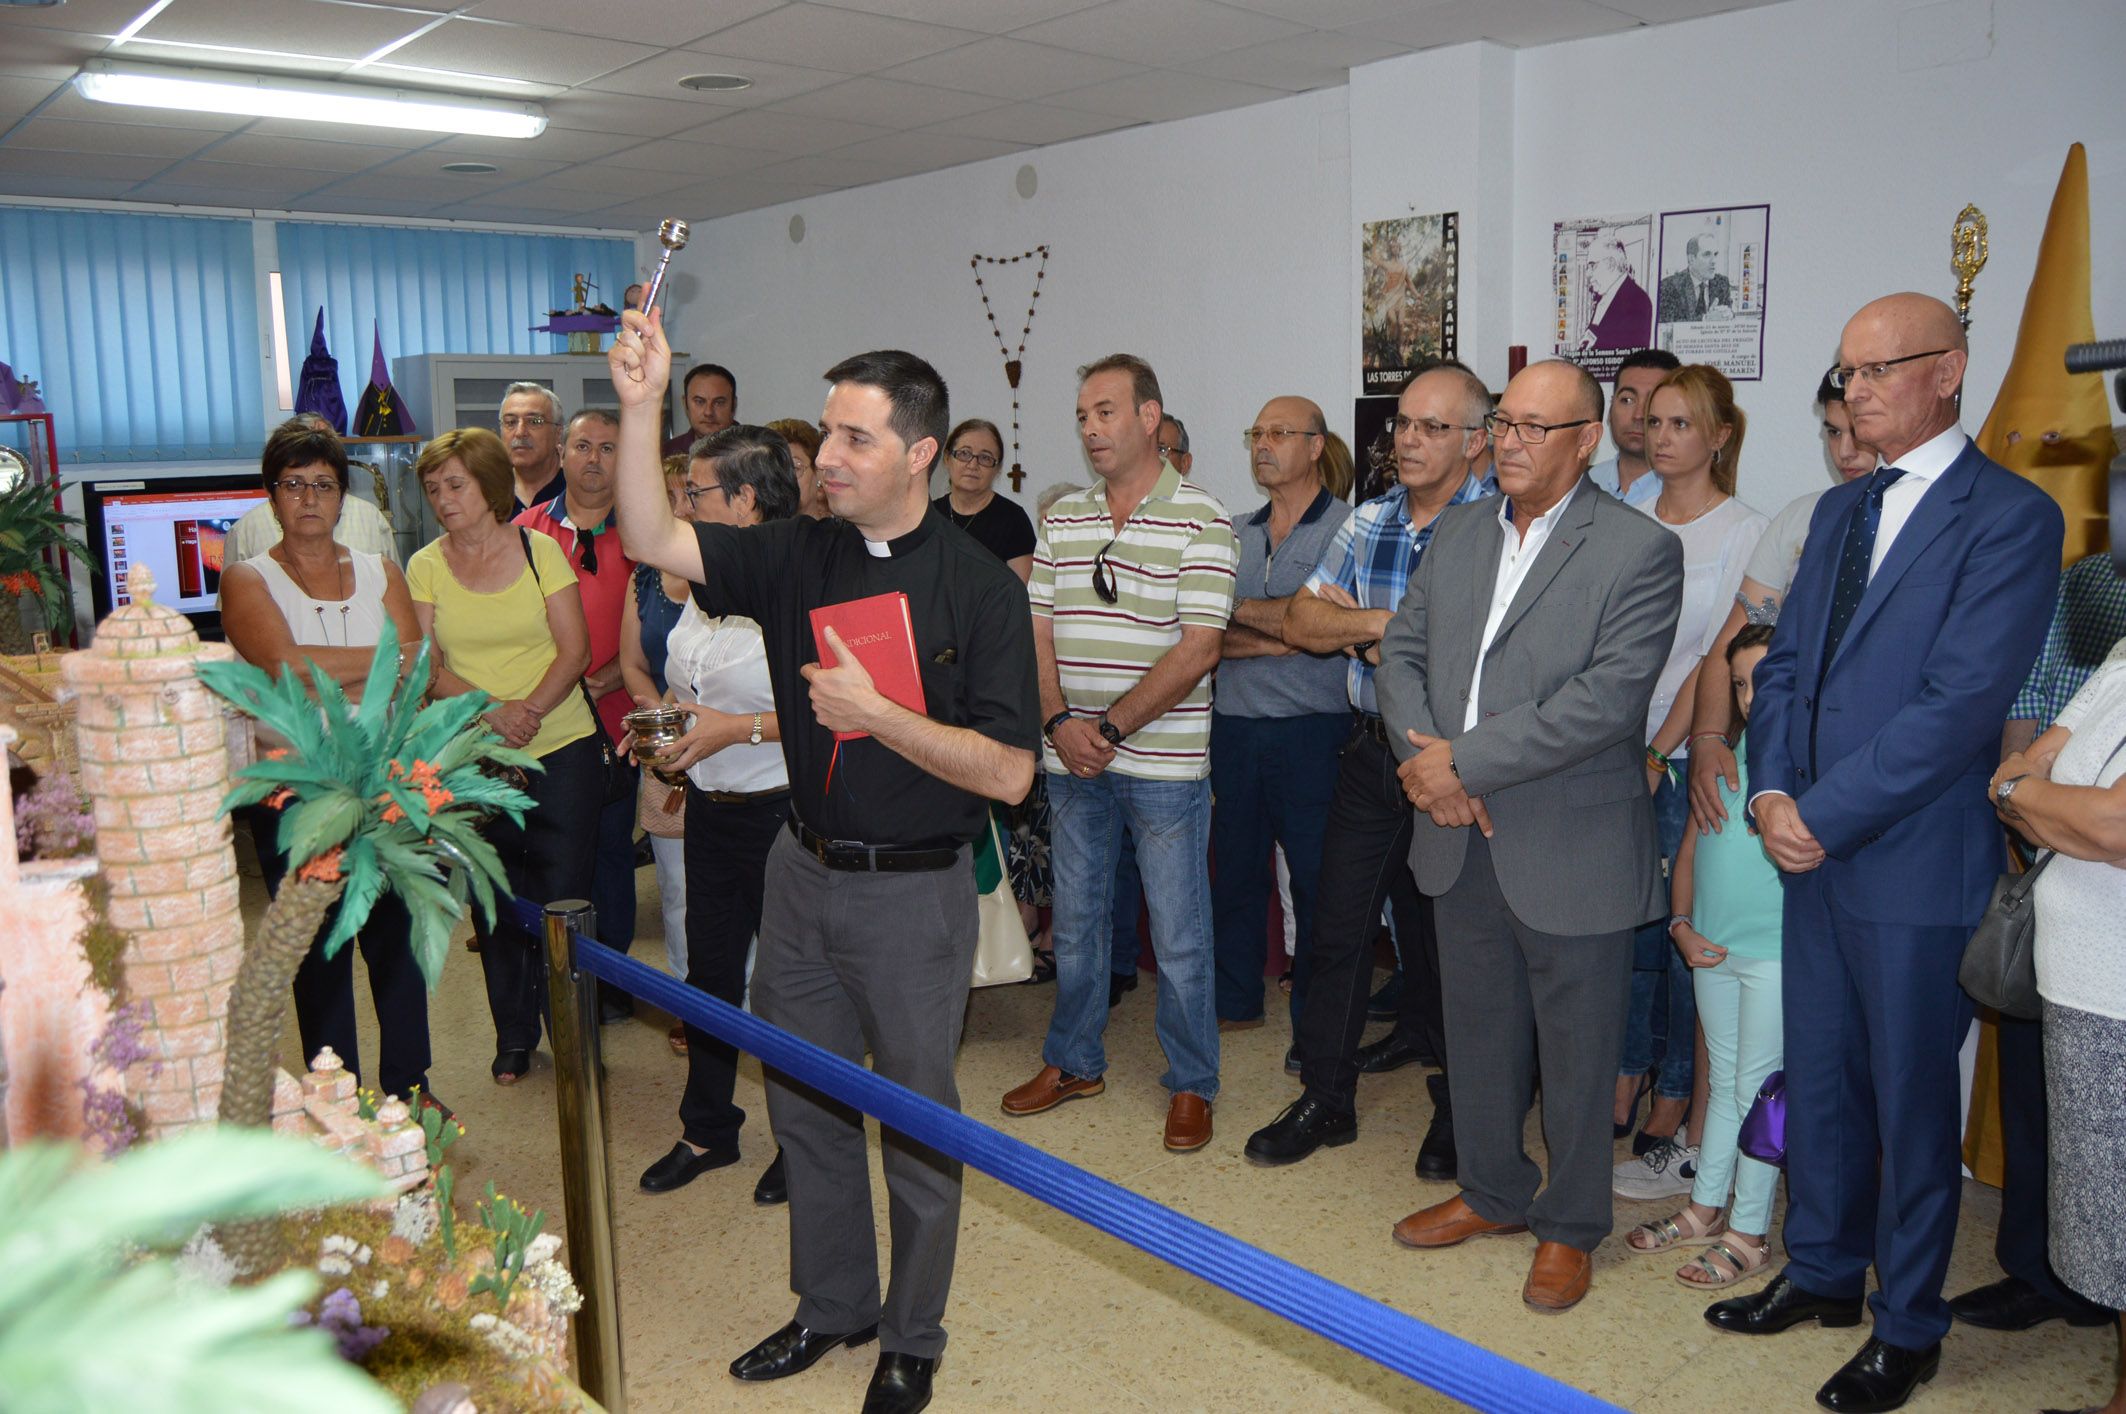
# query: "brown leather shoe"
x,y
1244,1024
1188,1122
1049,1089
1558,1277
1446,1224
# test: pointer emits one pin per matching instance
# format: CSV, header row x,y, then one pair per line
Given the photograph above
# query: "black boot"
x,y
1435,1157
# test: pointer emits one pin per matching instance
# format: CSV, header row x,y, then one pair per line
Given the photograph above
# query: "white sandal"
x,y
1726,1263
1670,1231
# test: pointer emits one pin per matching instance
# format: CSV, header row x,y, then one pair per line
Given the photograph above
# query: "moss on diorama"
x,y
103,942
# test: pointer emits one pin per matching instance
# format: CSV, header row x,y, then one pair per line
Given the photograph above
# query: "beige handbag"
x,y
662,810
1002,953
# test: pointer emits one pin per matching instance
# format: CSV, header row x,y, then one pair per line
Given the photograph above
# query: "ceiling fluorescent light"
x,y
308,100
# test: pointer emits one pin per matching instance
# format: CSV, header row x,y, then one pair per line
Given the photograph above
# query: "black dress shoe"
x,y
1436,1159
1392,1052
682,1166
1386,1003
510,1066
614,1006
900,1384
1780,1306
1117,984
1306,1125
1291,1060
774,1185
793,1350
1880,1378
2012,1304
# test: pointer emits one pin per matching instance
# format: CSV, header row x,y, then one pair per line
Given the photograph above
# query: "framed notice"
x,y
1601,276
1710,304
1409,269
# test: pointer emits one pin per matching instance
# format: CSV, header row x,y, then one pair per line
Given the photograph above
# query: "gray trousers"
x,y
1515,999
854,962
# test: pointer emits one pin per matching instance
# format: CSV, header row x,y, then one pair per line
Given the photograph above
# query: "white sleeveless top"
x,y
723,663
354,622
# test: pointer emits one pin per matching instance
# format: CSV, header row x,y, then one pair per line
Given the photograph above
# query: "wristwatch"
x,y
755,739
1111,732
1048,728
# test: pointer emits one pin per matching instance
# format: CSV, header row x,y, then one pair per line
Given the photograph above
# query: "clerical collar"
x,y
901,545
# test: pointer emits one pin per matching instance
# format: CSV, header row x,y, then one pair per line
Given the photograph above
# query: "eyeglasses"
x,y
967,456
295,488
1170,451
1530,433
1104,576
511,421
1275,436
1843,377
1430,427
695,493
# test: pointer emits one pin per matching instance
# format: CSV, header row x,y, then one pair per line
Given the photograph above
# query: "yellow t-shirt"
x,y
500,642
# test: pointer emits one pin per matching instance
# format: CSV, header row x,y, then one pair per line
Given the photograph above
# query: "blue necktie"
x,y
1854,559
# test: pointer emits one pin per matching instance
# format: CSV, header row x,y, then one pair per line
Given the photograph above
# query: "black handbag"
x,y
619,780
1999,968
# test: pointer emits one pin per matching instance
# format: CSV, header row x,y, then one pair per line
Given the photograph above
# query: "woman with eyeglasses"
x,y
310,602
502,607
973,453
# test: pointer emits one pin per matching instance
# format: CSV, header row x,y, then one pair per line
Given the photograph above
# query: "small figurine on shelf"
x,y
18,394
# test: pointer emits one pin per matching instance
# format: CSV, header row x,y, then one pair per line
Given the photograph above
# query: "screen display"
x,y
179,531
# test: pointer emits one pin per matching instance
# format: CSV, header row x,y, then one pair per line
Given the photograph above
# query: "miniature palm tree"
x,y
31,523
385,796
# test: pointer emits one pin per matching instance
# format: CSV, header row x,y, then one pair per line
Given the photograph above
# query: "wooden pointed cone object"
x,y
2048,425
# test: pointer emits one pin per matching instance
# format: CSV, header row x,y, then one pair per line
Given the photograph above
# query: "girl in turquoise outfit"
x,y
1726,924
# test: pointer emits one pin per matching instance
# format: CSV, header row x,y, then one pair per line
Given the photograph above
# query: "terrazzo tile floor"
x,y
1050,1315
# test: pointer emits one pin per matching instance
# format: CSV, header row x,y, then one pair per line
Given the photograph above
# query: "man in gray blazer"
x,y
1514,681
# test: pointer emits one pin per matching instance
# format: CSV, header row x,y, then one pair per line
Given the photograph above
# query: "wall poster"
x,y
1710,307
1602,289
1408,268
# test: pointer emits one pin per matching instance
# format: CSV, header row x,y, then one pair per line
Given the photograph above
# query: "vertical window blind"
x,y
141,331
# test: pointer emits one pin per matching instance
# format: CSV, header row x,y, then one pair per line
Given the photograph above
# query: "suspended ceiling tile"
x,y
553,145
1159,97
65,185
434,189
19,95
887,104
1298,63
1518,23
304,27
683,162
102,17
1159,32
268,150
357,134
111,165
992,16
1332,14
1667,11
1033,124
508,51
239,177
622,113
659,78
833,170
50,55
931,148
427,165
659,22
771,130
133,139
845,41
1012,68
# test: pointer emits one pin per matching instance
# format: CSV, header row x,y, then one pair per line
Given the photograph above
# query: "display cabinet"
x,y
444,391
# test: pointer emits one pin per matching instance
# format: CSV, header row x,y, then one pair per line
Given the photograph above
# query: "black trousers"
x,y
548,857
1365,864
324,987
726,862
2021,1244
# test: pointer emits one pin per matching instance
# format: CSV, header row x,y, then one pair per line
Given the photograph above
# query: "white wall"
x,y
1224,248
1216,247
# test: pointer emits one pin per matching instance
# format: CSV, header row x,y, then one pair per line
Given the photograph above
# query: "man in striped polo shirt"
x,y
1131,590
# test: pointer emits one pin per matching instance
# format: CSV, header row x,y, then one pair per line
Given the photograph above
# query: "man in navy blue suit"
x,y
1915,614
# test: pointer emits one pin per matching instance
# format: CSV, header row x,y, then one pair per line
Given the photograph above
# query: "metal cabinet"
x,y
444,391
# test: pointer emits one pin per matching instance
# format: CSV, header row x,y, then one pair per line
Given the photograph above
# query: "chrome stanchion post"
x,y
586,1179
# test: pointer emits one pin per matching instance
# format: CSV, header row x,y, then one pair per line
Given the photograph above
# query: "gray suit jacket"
x,y
1557,754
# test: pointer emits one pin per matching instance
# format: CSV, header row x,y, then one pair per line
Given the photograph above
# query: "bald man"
x,y
1279,717
1918,606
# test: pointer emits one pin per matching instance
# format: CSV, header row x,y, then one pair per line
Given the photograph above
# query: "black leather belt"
x,y
1373,726
854,856
743,797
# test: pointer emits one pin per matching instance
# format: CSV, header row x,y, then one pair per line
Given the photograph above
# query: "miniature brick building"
x,y
323,1104
155,763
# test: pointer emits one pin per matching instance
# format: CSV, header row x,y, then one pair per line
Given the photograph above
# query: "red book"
x,y
881,636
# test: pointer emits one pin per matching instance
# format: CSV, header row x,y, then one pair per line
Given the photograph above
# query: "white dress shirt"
x,y
1921,466
1517,553
723,664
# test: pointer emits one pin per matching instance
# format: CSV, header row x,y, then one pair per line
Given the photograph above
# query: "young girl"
x,y
1733,946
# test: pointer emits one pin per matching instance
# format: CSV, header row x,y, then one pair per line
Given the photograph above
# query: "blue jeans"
x,y
1171,821
1129,898
1659,974
1273,778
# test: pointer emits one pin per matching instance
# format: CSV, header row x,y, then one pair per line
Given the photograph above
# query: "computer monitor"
x,y
177,526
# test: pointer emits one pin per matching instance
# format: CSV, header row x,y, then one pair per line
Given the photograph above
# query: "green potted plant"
x,y
31,523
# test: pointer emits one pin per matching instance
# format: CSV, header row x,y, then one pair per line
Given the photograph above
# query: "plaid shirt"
x,y
2088,619
1373,557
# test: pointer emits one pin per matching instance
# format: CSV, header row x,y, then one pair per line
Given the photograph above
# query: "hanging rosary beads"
x,y
1013,362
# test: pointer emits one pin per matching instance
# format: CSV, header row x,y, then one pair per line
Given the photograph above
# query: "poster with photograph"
x,y
1409,268
1603,293
1372,447
1710,308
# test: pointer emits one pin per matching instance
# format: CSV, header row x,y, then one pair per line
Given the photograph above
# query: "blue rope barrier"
x,y
1477,1377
